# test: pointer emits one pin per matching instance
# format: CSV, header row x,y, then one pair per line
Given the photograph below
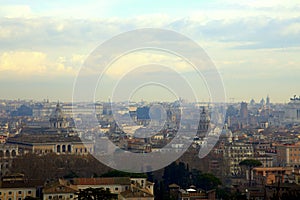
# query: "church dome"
x,y
57,113
57,118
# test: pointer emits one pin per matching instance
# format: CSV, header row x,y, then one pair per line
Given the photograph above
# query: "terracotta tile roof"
x,y
58,188
21,184
136,192
102,181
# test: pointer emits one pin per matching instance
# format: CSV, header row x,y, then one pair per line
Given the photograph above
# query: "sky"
x,y
254,45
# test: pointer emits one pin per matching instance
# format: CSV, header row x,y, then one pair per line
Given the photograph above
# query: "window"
x,y
20,192
116,189
9,199
71,196
50,197
19,198
29,192
60,196
9,193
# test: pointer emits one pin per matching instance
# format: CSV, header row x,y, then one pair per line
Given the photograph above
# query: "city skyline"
x,y
253,45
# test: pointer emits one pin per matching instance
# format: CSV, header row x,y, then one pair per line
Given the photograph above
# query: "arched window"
x,y
7,153
63,148
13,153
58,149
69,148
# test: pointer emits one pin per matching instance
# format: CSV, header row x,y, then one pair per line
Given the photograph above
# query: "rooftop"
x,y
102,181
42,138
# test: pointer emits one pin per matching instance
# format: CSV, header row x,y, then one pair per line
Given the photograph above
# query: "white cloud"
x,y
29,64
292,29
23,62
263,3
16,11
134,60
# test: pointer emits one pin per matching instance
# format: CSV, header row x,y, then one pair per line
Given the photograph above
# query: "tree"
x,y
250,164
96,194
178,174
116,173
208,181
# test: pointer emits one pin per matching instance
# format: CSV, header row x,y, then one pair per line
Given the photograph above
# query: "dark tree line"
x,y
96,194
117,173
180,174
56,166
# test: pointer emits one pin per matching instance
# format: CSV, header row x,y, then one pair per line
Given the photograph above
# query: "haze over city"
x,y
149,100
254,45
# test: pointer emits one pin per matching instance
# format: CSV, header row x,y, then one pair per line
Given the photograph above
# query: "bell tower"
x,y
203,123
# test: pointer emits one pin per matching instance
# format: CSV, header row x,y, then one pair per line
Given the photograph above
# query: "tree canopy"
x,y
96,194
116,173
208,181
250,163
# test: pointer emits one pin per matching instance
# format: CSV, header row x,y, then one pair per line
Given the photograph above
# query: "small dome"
x,y
57,113
58,119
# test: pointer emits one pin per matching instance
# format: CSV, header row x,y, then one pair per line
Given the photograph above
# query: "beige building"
x,y
58,191
7,153
125,187
16,187
236,152
57,138
59,144
270,175
288,154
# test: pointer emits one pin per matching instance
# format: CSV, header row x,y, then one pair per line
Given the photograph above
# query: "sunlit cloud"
x,y
16,11
129,62
24,64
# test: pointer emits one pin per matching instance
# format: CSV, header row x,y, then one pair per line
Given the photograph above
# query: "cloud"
x,y
137,59
257,4
15,11
23,62
249,28
26,64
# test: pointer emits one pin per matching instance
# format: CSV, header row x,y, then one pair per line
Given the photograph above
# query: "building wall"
x,y
288,155
235,153
58,148
60,196
16,193
292,111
